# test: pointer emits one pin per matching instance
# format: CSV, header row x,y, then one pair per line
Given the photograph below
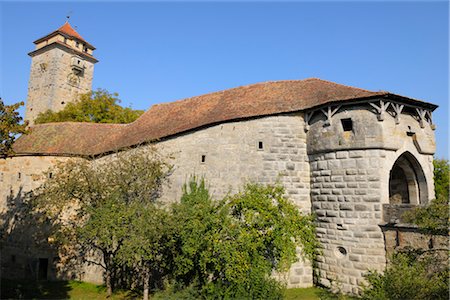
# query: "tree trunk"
x,y
108,283
146,283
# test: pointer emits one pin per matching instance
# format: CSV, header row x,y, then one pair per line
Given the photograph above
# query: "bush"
x,y
412,275
228,249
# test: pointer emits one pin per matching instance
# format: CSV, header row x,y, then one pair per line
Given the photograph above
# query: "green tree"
x,y
441,177
10,126
229,248
97,107
146,248
91,202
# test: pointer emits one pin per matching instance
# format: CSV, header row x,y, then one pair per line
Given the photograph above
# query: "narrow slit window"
x,y
347,124
203,159
19,176
50,175
260,145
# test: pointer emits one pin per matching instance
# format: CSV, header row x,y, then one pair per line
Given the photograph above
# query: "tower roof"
x,y
67,30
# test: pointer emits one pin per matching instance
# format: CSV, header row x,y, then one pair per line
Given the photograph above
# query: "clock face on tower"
x,y
73,80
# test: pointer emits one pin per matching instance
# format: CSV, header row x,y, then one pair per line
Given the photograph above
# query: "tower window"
x,y
203,159
347,124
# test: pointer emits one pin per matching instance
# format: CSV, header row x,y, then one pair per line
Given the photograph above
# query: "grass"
x,y
15,289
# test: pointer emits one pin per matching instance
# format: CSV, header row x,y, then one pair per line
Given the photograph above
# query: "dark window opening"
x,y
63,102
50,175
19,175
260,145
13,258
347,124
43,268
203,159
77,44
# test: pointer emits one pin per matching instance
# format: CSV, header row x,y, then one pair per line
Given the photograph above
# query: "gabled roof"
x,y
165,120
66,30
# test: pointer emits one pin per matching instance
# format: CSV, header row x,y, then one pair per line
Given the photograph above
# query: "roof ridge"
x,y
234,88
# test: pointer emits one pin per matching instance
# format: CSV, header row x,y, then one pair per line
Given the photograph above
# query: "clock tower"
x,y
62,67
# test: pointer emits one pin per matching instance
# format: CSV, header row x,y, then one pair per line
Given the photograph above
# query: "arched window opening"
x,y
407,184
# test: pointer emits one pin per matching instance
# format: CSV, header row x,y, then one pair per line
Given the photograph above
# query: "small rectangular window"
x,y
19,176
50,175
260,145
203,159
347,124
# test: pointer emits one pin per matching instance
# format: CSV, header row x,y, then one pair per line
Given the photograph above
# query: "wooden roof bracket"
x,y
381,110
329,113
308,116
398,110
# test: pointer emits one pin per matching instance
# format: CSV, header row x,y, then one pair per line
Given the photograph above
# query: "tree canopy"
x,y
93,204
96,107
10,127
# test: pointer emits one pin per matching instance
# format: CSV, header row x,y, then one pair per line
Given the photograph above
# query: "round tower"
x,y
368,158
62,67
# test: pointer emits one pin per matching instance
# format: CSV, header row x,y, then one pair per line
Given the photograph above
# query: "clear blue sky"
x,y
152,52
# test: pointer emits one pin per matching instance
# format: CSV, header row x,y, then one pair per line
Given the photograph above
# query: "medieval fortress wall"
x,y
344,161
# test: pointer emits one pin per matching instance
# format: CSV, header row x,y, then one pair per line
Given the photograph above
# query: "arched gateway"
x,y
407,183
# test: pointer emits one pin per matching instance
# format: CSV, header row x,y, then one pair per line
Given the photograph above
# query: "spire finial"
x,y
68,16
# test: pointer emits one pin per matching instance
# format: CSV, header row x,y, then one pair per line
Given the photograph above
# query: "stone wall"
x,y
25,244
263,150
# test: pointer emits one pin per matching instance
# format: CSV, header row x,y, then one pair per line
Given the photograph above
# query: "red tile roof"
x,y
164,120
68,30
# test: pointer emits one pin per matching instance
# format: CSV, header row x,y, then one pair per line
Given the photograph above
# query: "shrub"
x,y
412,275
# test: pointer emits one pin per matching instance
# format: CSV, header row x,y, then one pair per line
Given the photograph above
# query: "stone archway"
x,y
407,183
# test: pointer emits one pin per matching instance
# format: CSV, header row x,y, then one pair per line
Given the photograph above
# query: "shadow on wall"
x,y
28,246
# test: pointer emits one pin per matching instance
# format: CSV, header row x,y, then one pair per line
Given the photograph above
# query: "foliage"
x,y
10,127
94,202
146,246
412,275
97,107
434,218
229,248
441,178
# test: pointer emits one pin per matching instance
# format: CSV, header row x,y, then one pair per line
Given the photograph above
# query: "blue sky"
x,y
153,52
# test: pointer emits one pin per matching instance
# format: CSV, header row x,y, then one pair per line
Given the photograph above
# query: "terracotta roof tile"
x,y
67,29
164,120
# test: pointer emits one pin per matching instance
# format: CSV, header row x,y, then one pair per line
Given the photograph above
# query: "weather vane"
x,y
69,15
